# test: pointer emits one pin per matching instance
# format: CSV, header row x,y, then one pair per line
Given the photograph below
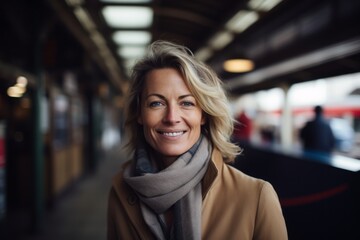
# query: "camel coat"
x,y
235,206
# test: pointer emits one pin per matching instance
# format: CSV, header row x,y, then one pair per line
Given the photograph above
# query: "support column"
x,y
41,26
286,130
38,197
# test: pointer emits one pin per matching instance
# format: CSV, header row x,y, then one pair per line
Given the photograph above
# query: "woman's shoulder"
x,y
247,189
238,177
231,173
234,178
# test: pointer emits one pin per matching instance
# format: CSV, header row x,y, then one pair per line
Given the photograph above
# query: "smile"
x,y
173,134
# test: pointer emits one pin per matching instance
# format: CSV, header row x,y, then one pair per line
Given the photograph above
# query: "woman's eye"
x,y
156,104
188,104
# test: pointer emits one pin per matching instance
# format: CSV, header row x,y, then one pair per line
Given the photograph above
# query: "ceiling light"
x,y
263,5
21,81
15,91
128,17
132,37
241,21
220,40
238,65
132,51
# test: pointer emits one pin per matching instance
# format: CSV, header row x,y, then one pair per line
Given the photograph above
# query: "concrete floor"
x,y
81,214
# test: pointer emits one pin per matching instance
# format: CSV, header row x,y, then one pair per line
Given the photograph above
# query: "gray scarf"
x,y
177,186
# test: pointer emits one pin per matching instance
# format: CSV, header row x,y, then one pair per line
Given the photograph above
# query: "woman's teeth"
x,y
172,134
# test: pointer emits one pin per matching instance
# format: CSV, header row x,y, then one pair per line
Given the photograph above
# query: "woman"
x,y
178,185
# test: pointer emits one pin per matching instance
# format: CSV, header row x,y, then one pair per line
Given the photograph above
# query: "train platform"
x,y
81,212
319,198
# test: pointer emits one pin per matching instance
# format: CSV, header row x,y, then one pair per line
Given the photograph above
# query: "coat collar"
x,y
215,166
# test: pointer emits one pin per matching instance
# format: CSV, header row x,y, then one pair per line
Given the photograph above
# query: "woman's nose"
x,y
172,114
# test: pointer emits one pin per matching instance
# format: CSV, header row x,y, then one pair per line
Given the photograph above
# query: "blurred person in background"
x,y
177,183
243,127
317,136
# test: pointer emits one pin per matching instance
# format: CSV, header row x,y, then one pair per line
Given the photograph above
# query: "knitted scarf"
x,y
177,186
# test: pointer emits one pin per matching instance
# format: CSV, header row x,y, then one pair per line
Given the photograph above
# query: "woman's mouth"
x,y
172,134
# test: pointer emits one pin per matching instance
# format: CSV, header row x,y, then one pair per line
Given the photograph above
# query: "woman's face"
x,y
170,116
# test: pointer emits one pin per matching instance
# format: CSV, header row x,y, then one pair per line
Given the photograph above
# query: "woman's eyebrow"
x,y
185,96
155,95
163,97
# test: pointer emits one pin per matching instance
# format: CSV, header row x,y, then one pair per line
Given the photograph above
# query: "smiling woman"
x,y
177,184
170,115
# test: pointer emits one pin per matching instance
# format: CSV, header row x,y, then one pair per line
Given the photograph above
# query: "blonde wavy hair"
x,y
202,82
